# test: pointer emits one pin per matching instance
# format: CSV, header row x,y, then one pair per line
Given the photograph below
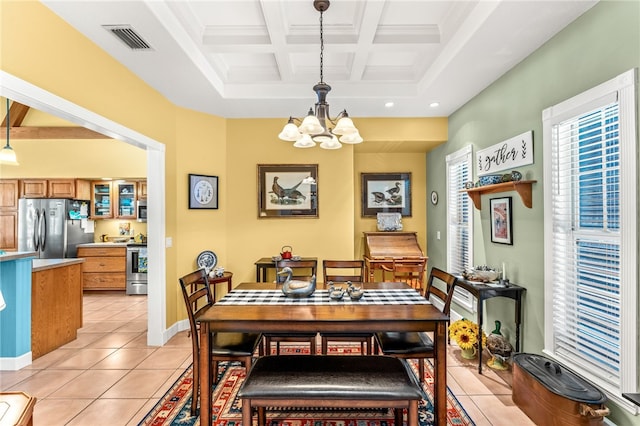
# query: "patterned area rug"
x,y
174,407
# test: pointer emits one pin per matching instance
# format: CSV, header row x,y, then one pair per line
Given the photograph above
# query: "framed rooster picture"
x,y
386,193
287,190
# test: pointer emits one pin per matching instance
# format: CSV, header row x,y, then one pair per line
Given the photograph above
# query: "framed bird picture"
x,y
287,190
386,193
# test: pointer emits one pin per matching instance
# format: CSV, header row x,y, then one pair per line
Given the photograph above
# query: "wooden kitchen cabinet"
x,y
142,190
78,189
9,190
125,197
101,200
104,268
34,188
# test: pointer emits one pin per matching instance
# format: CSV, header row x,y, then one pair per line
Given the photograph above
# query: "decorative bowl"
x,y
490,179
485,275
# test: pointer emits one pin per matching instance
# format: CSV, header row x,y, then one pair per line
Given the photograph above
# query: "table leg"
x,y
258,274
205,375
440,374
518,320
480,319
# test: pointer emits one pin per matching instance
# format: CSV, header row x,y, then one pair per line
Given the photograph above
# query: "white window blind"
x,y
588,211
459,220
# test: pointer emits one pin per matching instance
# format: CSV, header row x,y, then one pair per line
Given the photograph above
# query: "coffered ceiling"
x,y
260,58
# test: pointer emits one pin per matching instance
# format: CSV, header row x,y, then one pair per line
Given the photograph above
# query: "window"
x,y
590,234
459,220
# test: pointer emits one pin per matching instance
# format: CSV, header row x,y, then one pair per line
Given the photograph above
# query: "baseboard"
x,y
176,328
16,363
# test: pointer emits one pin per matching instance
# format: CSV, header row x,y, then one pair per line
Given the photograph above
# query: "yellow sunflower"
x,y
466,339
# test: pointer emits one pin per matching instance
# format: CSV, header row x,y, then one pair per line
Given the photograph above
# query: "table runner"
x,y
321,297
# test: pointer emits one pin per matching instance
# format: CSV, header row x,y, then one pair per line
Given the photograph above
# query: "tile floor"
x,y
109,376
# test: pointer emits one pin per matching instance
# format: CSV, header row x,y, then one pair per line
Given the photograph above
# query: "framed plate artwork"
x,y
203,192
501,221
386,193
288,190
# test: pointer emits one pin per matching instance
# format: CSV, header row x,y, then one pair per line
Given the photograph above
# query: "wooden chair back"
x,y
302,269
197,297
341,271
444,295
408,270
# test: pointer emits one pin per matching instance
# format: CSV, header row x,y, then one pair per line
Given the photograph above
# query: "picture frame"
x,y
203,192
386,193
287,191
501,220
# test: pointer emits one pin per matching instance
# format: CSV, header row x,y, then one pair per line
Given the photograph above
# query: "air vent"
x,y
128,36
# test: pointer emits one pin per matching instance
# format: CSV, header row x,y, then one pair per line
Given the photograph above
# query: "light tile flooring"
x,y
109,376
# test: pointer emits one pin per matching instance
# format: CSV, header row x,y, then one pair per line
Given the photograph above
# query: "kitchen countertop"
x,y
44,264
16,255
102,245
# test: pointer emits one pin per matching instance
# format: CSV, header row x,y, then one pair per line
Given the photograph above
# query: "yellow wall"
x,y
48,53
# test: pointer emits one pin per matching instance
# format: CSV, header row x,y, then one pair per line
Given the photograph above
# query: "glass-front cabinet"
x,y
125,193
101,200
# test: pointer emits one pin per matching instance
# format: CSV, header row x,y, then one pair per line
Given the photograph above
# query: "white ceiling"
x,y
261,58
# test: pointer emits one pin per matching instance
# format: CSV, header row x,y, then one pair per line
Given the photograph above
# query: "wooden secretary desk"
x,y
383,248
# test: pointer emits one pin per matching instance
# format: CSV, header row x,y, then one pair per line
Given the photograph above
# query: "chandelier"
x,y
314,128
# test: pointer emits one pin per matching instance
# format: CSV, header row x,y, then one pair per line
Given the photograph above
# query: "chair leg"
x,y
196,387
325,345
312,345
421,369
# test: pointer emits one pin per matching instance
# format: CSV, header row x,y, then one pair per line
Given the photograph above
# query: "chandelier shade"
x,y
7,154
315,127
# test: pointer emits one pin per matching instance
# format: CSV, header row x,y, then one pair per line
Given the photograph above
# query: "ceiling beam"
x,y
17,113
52,133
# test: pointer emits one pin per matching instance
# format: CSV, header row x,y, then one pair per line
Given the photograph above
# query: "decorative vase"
x,y
468,353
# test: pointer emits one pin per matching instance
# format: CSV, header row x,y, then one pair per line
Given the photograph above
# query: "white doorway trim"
x,y
26,93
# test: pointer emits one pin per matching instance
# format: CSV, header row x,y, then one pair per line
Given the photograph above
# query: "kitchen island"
x,y
43,306
56,303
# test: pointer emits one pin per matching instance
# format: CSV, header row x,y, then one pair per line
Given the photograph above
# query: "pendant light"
x,y
7,154
314,127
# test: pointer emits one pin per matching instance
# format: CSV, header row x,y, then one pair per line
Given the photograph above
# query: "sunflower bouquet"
x,y
465,333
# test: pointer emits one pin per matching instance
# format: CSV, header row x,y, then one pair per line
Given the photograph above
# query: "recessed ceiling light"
x,y
434,104
388,104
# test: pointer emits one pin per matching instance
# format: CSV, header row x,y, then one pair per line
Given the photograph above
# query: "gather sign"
x,y
514,152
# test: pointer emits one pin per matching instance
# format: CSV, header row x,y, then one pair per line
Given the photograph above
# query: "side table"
x,y
265,263
225,278
483,292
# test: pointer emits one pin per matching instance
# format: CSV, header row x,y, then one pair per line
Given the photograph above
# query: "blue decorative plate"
x,y
207,260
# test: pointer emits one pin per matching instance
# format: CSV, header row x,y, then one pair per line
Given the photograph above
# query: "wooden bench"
x,y
330,381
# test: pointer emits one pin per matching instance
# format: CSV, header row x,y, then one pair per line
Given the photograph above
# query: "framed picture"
x,y
501,230
386,193
203,192
287,190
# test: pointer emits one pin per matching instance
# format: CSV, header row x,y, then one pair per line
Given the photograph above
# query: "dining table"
x,y
385,306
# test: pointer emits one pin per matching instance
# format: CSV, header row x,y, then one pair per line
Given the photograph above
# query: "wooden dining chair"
x,y
342,271
302,270
407,270
418,345
225,346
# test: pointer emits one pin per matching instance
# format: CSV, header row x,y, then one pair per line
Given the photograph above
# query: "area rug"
x,y
174,407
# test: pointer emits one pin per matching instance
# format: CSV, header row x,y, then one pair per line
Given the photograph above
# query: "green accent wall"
x,y
596,47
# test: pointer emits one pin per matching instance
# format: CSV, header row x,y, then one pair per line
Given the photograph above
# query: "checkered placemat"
x,y
321,297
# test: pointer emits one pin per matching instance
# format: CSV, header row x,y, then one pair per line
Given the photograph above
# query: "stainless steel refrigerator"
x,y
52,227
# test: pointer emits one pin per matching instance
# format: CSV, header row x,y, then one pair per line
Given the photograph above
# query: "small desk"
x,y
225,278
483,292
265,263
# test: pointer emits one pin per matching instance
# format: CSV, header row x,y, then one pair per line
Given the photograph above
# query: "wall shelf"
x,y
522,187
